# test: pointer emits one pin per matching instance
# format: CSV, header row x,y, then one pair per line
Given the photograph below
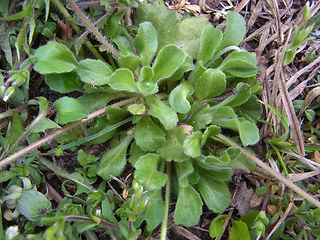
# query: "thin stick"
x,y
92,28
56,134
166,205
271,171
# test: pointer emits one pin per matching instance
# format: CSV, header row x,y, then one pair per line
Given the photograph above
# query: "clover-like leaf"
x,y
210,40
249,133
147,174
94,71
189,207
114,160
148,135
215,193
122,79
210,84
169,59
69,110
146,42
178,97
191,146
54,58
167,116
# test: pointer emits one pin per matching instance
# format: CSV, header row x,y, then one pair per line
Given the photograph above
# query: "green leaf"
x,y
172,150
129,61
211,131
153,212
216,226
210,40
33,205
167,116
63,82
214,170
234,32
146,42
94,72
122,79
43,125
137,109
85,159
178,97
188,208
225,117
240,64
202,117
239,231
239,98
69,110
145,84
114,160
14,131
249,133
191,146
169,59
25,13
210,84
148,135
164,21
183,169
251,108
54,58
147,174
215,193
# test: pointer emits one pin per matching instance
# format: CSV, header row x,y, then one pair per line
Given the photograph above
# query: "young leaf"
x,y
114,160
146,42
148,135
145,84
54,58
188,208
234,32
69,110
94,72
43,125
225,117
202,117
137,109
172,150
122,79
183,169
216,226
191,146
63,82
249,133
129,61
167,116
178,97
240,64
210,84
210,40
239,231
169,59
211,131
153,212
147,174
215,193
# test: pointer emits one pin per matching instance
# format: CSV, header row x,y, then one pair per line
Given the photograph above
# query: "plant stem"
x,y
164,225
78,30
269,170
56,134
81,218
92,28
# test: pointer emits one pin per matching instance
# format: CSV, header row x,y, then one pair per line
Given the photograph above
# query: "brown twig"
x,y
56,134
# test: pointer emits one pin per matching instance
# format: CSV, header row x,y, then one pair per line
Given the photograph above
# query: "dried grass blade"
x,y
309,98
